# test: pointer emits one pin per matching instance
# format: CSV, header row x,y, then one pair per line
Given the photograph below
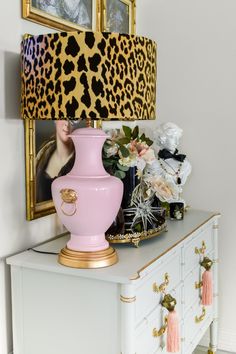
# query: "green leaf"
x,y
124,151
135,132
119,174
142,137
108,162
127,131
122,168
123,141
148,141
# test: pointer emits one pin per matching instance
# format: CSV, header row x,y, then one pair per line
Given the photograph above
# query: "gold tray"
x,y
135,238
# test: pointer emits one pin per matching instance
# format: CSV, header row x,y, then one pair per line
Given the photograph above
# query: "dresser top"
x,y
132,261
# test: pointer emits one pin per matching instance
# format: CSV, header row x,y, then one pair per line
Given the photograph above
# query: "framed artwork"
x,y
95,15
64,15
49,153
119,16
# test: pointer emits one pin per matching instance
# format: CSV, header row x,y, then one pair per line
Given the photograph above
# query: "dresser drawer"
x,y
177,294
146,296
146,343
191,294
191,255
197,320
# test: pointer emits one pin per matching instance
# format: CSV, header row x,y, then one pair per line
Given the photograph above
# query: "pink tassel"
x,y
173,336
207,288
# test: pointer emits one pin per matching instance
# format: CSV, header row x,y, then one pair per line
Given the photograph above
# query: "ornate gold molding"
x,y
161,331
202,249
200,318
162,287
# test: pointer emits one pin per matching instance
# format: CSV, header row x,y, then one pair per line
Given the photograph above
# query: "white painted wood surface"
x,y
58,310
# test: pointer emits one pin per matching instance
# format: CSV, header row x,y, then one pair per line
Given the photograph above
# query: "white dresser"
x,y
61,310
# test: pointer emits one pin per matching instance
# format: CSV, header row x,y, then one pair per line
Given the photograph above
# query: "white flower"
x,y
178,215
149,156
164,190
112,150
129,161
112,133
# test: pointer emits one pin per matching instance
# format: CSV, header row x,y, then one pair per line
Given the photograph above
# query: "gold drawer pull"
x,y
161,331
162,287
201,318
202,249
198,285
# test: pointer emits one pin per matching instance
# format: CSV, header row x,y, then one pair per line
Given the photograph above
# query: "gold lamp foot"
x,y
85,260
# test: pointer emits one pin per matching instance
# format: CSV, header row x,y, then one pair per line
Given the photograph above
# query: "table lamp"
x,y
88,75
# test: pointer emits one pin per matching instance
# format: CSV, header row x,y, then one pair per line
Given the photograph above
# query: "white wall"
x,y
15,232
197,90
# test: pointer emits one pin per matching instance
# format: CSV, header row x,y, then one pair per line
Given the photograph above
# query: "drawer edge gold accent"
x,y
135,276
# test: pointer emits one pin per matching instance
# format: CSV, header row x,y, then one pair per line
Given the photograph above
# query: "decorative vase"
x,y
87,201
130,182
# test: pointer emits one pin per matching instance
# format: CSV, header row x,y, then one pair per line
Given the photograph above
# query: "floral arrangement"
x,y
126,148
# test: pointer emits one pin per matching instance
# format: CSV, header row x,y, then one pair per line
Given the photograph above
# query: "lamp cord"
x,y
43,252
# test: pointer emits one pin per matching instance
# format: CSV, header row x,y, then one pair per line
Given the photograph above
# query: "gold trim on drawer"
x,y
161,331
202,249
127,299
162,287
201,317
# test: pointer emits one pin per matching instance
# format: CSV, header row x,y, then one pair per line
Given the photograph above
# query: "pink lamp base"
x,y
87,243
87,201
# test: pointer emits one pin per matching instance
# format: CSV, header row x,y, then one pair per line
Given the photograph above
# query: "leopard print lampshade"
x,y
73,75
